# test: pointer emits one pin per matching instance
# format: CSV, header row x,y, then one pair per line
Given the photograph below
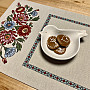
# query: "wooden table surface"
x,y
78,6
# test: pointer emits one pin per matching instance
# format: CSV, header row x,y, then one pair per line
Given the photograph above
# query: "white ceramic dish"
x,y
71,50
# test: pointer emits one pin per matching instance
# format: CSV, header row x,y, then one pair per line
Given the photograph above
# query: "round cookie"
x,y
63,40
51,43
60,50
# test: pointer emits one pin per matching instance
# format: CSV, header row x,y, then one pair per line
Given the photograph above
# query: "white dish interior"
x,y
71,50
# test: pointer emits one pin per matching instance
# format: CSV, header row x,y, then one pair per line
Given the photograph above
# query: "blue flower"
x,y
34,13
9,24
10,52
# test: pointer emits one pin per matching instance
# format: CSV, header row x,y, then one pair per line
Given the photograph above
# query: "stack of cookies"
x,y
58,44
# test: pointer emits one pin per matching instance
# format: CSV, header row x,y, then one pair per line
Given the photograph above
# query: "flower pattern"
x,y
20,18
20,9
34,13
9,24
4,60
10,52
7,37
15,28
24,30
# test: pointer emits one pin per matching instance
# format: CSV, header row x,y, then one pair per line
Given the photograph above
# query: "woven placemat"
x,y
22,57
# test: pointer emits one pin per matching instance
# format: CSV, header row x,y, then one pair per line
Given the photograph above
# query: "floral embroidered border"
x,y
46,73
15,30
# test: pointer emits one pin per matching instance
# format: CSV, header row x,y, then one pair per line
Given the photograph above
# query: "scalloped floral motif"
x,y
15,30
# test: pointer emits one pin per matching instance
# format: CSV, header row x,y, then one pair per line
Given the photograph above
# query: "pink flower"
x,y
20,18
7,37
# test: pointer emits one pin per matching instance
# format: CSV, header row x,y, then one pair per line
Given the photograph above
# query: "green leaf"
x,y
9,19
18,46
2,28
30,25
26,6
14,43
24,12
11,15
30,9
21,40
0,53
17,27
36,19
30,18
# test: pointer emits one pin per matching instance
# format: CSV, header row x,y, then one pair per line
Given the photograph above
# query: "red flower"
x,y
20,18
12,11
20,9
19,4
27,6
7,37
24,30
2,22
4,60
37,10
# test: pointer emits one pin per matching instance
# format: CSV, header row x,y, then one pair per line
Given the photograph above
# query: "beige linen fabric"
x,y
76,70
